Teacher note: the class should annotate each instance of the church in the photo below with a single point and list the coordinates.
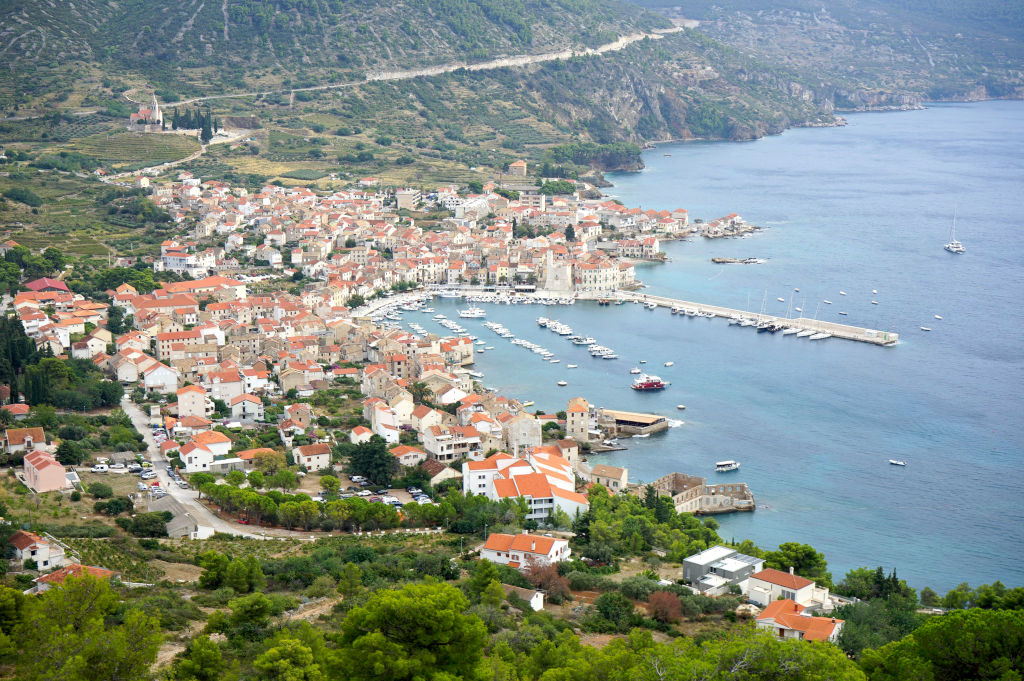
(148, 119)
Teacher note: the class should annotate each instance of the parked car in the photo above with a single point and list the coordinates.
(375, 500)
(148, 475)
(142, 486)
(182, 484)
(134, 468)
(100, 468)
(243, 521)
(364, 493)
(146, 464)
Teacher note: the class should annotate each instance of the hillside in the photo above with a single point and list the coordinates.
(868, 54)
(200, 46)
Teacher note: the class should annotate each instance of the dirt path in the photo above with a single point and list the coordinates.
(314, 610)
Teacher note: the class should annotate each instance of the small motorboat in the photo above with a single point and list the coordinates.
(874, 290)
(528, 403)
(668, 364)
(926, 328)
(635, 370)
(842, 293)
(897, 462)
(563, 383)
(843, 313)
(571, 366)
(828, 302)
(874, 302)
(680, 407)
(938, 316)
(726, 466)
(781, 300)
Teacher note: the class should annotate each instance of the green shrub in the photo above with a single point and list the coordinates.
(100, 490)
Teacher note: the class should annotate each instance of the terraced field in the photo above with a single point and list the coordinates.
(127, 150)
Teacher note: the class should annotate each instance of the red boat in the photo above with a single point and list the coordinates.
(645, 382)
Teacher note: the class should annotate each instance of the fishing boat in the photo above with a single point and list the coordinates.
(645, 382)
(897, 462)
(954, 246)
(726, 466)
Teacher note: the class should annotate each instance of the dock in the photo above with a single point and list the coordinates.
(843, 331)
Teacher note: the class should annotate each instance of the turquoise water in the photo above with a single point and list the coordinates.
(861, 208)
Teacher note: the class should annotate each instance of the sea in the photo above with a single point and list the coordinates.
(854, 220)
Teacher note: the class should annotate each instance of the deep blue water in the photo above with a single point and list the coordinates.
(861, 208)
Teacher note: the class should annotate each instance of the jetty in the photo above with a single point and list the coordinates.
(844, 331)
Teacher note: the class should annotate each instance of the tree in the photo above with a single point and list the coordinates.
(330, 484)
(202, 661)
(351, 580)
(100, 490)
(570, 234)
(148, 525)
(234, 478)
(665, 606)
(373, 460)
(475, 187)
(69, 453)
(929, 598)
(215, 567)
(288, 660)
(804, 560)
(255, 479)
(965, 644)
(417, 632)
(269, 462)
(198, 480)
(65, 636)
(283, 479)
(484, 573)
(615, 608)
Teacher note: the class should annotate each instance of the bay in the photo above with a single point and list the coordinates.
(862, 208)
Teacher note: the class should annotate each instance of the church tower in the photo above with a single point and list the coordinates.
(156, 117)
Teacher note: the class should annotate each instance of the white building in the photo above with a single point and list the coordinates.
(313, 457)
(520, 550)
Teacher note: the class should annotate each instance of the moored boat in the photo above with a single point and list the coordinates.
(645, 382)
(726, 466)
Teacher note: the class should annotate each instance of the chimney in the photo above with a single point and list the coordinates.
(790, 569)
(533, 546)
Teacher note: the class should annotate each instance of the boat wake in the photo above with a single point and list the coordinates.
(674, 423)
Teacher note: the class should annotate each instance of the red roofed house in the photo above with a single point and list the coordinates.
(47, 284)
(247, 407)
(18, 411)
(27, 546)
(313, 457)
(519, 550)
(74, 570)
(787, 620)
(43, 473)
(199, 453)
(24, 439)
(360, 434)
(409, 456)
(770, 585)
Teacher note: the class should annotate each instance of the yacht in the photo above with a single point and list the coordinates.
(645, 382)
(954, 246)
(542, 321)
(726, 466)
(584, 340)
(789, 331)
(820, 336)
(805, 333)
(897, 462)
(473, 312)
(635, 370)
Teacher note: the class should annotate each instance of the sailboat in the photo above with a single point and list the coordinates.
(954, 246)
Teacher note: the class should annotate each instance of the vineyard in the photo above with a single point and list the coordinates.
(113, 554)
(130, 150)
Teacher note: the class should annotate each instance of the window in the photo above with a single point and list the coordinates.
(791, 595)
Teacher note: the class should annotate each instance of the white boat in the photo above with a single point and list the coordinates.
(542, 321)
(644, 435)
(781, 300)
(680, 407)
(954, 246)
(472, 312)
(828, 302)
(635, 370)
(571, 366)
(726, 466)
(938, 316)
(805, 333)
(874, 302)
(843, 313)
(820, 336)
(651, 306)
(609, 355)
(481, 351)
(790, 331)
(842, 293)
(926, 328)
(798, 309)
(668, 364)
(555, 361)
(488, 347)
(427, 310)
(797, 290)
(563, 383)
(897, 462)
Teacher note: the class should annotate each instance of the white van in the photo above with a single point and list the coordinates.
(100, 468)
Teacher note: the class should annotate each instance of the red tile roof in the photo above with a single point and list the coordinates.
(783, 579)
